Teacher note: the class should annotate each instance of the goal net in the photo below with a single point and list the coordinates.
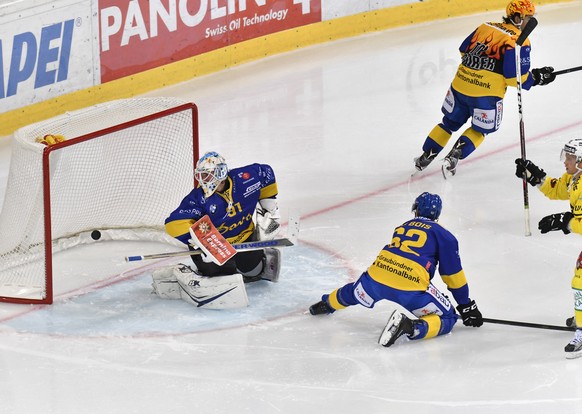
(122, 168)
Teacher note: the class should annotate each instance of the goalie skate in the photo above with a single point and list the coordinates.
(398, 325)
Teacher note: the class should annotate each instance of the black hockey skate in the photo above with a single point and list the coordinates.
(424, 160)
(398, 325)
(574, 348)
(320, 308)
(450, 162)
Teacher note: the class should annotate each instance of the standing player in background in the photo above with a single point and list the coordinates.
(477, 91)
(230, 199)
(402, 273)
(567, 187)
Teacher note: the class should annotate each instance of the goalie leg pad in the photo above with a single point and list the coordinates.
(218, 292)
(271, 265)
(165, 284)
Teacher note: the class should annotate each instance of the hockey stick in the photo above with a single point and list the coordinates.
(531, 24)
(254, 245)
(530, 325)
(561, 72)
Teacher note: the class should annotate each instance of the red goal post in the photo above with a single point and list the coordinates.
(122, 168)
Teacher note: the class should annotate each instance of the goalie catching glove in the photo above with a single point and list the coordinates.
(268, 219)
(470, 314)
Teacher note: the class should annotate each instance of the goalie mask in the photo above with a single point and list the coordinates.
(211, 170)
(428, 205)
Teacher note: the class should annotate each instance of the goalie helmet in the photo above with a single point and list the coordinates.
(520, 7)
(211, 170)
(428, 205)
(572, 147)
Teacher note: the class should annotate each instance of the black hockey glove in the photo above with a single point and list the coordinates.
(533, 174)
(543, 76)
(470, 314)
(553, 222)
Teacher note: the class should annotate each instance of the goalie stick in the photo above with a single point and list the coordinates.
(530, 325)
(253, 245)
(531, 24)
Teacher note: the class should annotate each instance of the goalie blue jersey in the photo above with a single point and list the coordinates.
(417, 248)
(232, 210)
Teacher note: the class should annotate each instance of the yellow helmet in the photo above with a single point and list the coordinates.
(520, 7)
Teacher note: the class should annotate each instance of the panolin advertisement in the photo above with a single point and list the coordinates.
(45, 55)
(138, 35)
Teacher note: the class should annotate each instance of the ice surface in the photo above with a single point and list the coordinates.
(340, 123)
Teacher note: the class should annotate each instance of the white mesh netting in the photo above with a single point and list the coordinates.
(123, 183)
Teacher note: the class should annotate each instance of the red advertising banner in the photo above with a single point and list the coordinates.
(138, 35)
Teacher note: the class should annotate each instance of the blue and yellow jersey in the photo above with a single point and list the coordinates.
(417, 248)
(231, 211)
(488, 61)
(566, 188)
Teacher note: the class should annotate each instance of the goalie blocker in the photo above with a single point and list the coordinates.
(218, 258)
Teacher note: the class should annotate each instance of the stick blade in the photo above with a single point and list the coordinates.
(529, 27)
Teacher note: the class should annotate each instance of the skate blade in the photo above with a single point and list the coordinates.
(573, 355)
(446, 172)
(386, 337)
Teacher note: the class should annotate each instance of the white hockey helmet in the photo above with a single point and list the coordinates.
(572, 147)
(211, 170)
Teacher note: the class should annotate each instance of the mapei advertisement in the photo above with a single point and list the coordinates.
(44, 56)
(138, 35)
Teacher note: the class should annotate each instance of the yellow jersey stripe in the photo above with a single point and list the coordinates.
(455, 281)
(179, 227)
(269, 191)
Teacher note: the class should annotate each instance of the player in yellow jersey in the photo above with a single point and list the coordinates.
(567, 187)
(403, 273)
(487, 68)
